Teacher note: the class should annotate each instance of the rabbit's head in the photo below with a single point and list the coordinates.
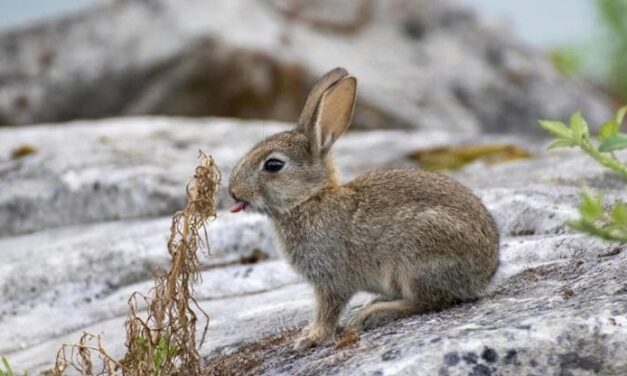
(290, 167)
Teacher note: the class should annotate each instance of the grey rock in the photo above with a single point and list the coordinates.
(97, 267)
(132, 168)
(421, 64)
(527, 324)
(557, 305)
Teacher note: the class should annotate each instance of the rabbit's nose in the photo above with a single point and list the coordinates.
(239, 204)
(234, 196)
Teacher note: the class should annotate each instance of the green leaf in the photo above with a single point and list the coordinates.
(582, 225)
(591, 207)
(615, 228)
(615, 142)
(557, 128)
(619, 213)
(608, 129)
(611, 127)
(579, 126)
(160, 352)
(7, 367)
(561, 143)
(142, 342)
(620, 114)
(566, 60)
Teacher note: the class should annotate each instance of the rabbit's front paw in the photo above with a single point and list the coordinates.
(312, 337)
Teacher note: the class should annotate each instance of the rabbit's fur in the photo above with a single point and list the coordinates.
(419, 240)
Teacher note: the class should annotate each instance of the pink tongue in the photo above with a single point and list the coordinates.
(239, 206)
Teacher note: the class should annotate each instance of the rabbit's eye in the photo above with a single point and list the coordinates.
(273, 165)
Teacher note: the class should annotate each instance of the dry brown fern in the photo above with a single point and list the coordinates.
(162, 341)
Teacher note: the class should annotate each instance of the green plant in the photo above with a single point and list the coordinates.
(595, 220)
(608, 140)
(603, 56)
(566, 59)
(613, 17)
(608, 224)
(6, 370)
(164, 353)
(161, 355)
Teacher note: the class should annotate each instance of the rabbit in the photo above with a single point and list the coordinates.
(418, 240)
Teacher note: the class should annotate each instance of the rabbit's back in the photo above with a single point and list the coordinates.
(410, 193)
(418, 189)
(427, 226)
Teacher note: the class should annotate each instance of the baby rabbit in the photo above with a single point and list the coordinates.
(419, 240)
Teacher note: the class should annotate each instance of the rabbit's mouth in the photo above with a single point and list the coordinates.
(239, 206)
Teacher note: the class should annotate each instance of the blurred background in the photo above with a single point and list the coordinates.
(534, 20)
(64, 60)
(586, 38)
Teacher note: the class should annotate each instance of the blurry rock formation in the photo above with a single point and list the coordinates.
(420, 63)
(100, 194)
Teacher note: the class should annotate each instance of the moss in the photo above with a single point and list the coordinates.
(23, 150)
(455, 157)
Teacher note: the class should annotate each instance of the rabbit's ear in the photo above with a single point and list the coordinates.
(333, 115)
(324, 83)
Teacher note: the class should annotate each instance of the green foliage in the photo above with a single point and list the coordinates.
(604, 55)
(6, 370)
(162, 354)
(566, 60)
(594, 219)
(577, 133)
(613, 16)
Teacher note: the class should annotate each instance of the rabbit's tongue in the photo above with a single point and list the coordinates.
(239, 206)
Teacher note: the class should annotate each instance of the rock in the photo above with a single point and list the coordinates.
(132, 168)
(97, 267)
(420, 64)
(557, 305)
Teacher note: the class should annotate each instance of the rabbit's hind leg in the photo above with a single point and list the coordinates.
(380, 313)
(380, 298)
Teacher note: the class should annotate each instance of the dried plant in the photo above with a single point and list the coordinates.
(162, 341)
(79, 357)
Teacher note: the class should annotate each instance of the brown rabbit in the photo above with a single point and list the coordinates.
(419, 240)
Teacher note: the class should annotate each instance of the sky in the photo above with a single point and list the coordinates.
(16, 12)
(543, 23)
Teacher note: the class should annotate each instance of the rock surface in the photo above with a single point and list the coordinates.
(421, 64)
(130, 168)
(558, 304)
